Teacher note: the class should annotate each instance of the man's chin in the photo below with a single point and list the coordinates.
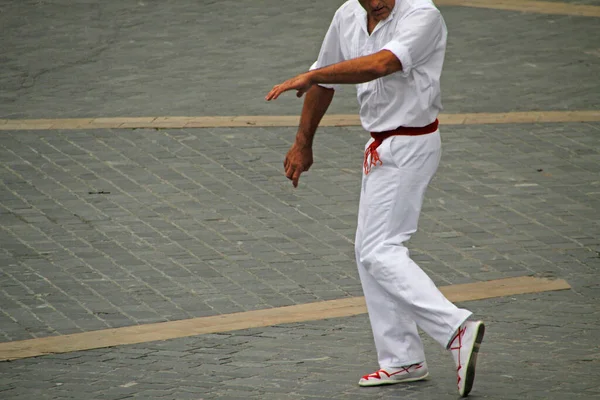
(381, 16)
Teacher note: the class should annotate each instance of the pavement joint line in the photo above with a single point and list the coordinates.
(540, 7)
(336, 120)
(259, 318)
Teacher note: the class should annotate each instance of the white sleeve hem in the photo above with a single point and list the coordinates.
(326, 86)
(402, 53)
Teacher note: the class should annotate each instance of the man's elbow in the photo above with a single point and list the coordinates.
(387, 63)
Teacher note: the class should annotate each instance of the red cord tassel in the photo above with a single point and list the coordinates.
(372, 156)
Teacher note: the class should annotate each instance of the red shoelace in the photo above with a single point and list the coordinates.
(377, 374)
(459, 335)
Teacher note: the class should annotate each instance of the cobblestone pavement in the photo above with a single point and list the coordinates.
(525, 357)
(200, 222)
(110, 228)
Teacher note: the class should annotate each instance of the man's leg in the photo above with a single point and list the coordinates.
(395, 334)
(391, 203)
(399, 348)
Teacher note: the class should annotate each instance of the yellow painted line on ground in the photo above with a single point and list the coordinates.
(284, 121)
(256, 319)
(541, 7)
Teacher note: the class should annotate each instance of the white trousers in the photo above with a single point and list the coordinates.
(399, 295)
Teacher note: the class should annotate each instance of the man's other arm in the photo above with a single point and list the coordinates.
(300, 157)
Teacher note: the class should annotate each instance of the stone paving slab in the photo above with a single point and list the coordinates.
(114, 59)
(113, 228)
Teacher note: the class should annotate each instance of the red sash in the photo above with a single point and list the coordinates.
(371, 155)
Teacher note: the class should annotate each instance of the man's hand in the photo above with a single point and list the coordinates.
(298, 159)
(302, 83)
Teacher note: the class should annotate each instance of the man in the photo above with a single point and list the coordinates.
(393, 50)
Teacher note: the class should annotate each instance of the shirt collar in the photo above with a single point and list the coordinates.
(359, 11)
(394, 10)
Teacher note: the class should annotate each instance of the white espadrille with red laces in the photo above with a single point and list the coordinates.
(390, 376)
(464, 347)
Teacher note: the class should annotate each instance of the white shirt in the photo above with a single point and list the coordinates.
(416, 33)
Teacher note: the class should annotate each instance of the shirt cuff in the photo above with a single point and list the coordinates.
(326, 86)
(402, 53)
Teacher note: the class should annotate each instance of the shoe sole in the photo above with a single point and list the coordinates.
(470, 373)
(393, 382)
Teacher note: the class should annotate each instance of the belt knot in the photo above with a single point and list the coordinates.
(372, 156)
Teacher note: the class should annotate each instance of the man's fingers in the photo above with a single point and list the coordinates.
(274, 93)
(296, 177)
(300, 83)
(292, 172)
(289, 171)
(271, 95)
(277, 90)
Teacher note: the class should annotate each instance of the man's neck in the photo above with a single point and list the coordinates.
(371, 24)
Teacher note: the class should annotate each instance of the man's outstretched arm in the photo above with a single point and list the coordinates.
(356, 70)
(300, 157)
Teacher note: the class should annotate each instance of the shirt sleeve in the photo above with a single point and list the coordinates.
(331, 50)
(416, 38)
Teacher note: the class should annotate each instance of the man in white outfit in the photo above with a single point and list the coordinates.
(393, 50)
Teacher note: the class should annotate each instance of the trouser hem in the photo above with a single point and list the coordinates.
(455, 330)
(402, 364)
